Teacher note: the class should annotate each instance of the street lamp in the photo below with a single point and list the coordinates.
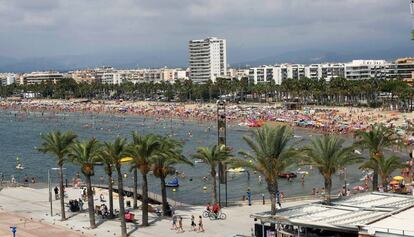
(221, 140)
(49, 183)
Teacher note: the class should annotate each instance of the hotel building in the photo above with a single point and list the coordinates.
(207, 59)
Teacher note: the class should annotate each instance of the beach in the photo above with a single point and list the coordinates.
(339, 120)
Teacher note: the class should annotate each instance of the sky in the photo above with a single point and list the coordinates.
(150, 32)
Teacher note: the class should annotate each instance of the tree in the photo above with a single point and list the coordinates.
(116, 151)
(143, 149)
(375, 140)
(57, 144)
(86, 154)
(271, 156)
(328, 154)
(169, 154)
(213, 156)
(385, 166)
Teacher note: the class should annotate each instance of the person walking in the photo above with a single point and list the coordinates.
(180, 225)
(174, 222)
(200, 224)
(56, 190)
(193, 224)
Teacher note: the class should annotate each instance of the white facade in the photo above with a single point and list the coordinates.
(207, 59)
(365, 69)
(41, 77)
(7, 79)
(279, 73)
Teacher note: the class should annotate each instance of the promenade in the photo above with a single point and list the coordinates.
(32, 204)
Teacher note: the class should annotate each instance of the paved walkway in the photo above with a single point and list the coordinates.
(33, 204)
(28, 227)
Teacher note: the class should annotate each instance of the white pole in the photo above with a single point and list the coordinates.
(50, 192)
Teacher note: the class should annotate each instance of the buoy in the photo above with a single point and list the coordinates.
(174, 190)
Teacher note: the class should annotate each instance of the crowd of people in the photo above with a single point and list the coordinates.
(329, 120)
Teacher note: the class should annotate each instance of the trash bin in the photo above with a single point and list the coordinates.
(128, 203)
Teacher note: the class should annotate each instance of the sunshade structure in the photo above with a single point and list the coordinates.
(126, 160)
(345, 215)
(399, 178)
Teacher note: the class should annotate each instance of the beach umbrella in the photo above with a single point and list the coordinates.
(399, 178)
(394, 182)
(126, 159)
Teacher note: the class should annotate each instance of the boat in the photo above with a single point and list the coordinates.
(236, 170)
(173, 183)
(287, 175)
(19, 165)
(300, 171)
(198, 161)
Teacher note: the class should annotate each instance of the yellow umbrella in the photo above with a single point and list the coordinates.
(399, 178)
(126, 159)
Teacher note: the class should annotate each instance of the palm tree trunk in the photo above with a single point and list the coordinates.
(384, 183)
(111, 196)
(62, 194)
(121, 202)
(214, 186)
(91, 207)
(164, 196)
(328, 187)
(375, 180)
(134, 188)
(272, 189)
(144, 200)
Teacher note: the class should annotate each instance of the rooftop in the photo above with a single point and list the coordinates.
(345, 214)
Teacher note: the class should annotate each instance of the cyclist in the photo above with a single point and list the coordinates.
(208, 208)
(216, 209)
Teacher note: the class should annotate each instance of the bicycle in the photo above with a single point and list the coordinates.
(213, 216)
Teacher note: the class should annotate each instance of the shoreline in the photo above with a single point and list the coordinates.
(317, 119)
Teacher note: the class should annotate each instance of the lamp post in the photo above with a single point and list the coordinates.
(49, 182)
(221, 140)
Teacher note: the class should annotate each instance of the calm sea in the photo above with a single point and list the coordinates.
(20, 135)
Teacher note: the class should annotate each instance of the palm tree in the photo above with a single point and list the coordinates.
(143, 149)
(116, 151)
(385, 166)
(271, 156)
(57, 144)
(213, 156)
(169, 154)
(375, 141)
(86, 154)
(328, 154)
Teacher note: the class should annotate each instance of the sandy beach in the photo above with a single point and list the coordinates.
(339, 120)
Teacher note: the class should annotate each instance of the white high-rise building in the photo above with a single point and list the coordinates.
(208, 59)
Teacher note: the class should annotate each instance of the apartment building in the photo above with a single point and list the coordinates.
(207, 59)
(366, 69)
(41, 77)
(279, 73)
(7, 79)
